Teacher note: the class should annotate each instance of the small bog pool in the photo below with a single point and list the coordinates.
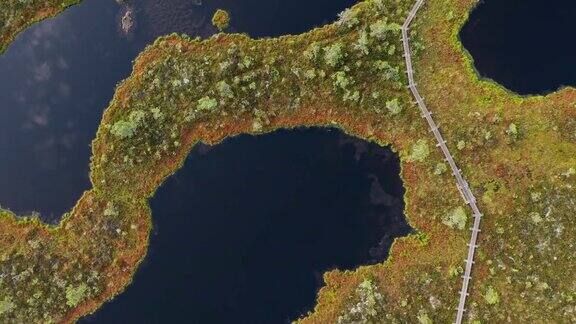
(524, 45)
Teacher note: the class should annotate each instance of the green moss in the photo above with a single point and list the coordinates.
(123, 129)
(381, 29)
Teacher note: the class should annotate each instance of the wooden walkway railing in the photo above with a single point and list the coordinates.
(461, 183)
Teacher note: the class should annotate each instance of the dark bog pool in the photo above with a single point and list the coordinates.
(244, 231)
(59, 75)
(525, 45)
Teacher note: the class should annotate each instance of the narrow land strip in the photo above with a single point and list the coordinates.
(461, 183)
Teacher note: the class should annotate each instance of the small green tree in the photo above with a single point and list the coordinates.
(491, 296)
(461, 145)
(312, 53)
(74, 295)
(334, 54)
(127, 128)
(362, 44)
(394, 106)
(420, 151)
(221, 19)
(123, 129)
(423, 318)
(381, 28)
(347, 18)
(6, 305)
(340, 80)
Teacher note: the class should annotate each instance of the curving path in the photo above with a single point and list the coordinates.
(461, 183)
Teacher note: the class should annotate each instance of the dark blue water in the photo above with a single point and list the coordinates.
(525, 45)
(59, 75)
(244, 231)
(280, 17)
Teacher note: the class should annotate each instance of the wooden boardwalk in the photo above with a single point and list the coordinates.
(461, 183)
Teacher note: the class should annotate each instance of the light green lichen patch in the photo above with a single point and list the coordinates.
(124, 129)
(440, 168)
(491, 296)
(456, 218)
(206, 104)
(512, 130)
(420, 151)
(394, 106)
(75, 294)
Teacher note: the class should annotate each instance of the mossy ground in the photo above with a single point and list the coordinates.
(184, 90)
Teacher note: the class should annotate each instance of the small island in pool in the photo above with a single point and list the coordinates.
(517, 153)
